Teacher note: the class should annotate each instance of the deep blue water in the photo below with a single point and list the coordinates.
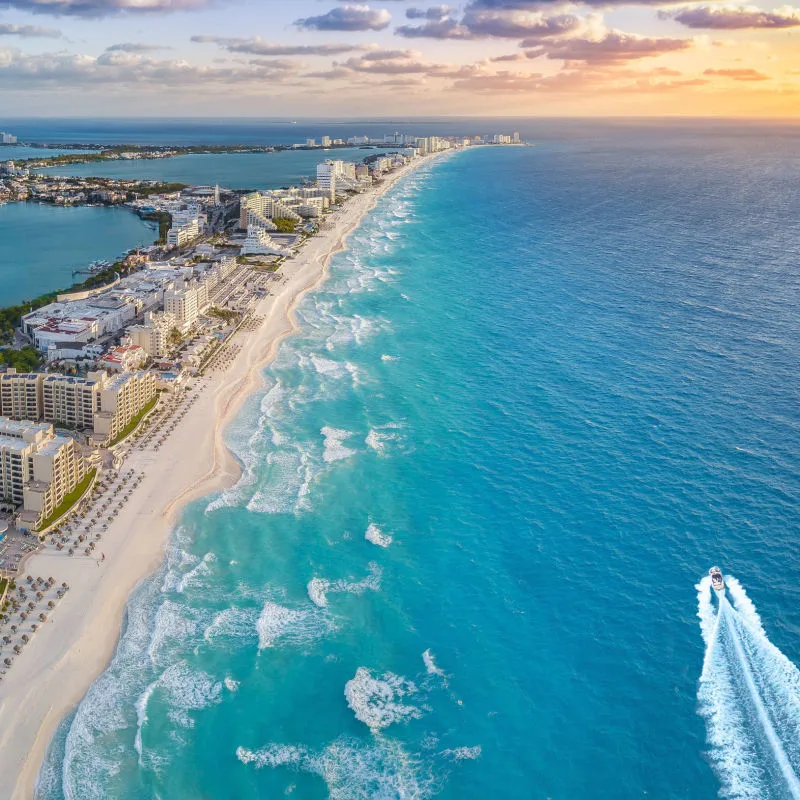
(553, 385)
(40, 245)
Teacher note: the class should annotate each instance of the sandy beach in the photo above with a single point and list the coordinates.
(66, 654)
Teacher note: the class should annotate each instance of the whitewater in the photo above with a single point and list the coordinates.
(750, 696)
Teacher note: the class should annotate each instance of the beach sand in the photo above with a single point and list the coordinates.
(54, 671)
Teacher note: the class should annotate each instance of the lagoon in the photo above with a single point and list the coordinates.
(41, 245)
(232, 170)
(18, 152)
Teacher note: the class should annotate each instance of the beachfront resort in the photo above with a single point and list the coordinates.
(125, 383)
(120, 364)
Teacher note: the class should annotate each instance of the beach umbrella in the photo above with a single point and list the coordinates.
(25, 638)
(51, 604)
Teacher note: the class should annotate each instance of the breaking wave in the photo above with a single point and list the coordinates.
(319, 588)
(376, 700)
(351, 769)
(375, 536)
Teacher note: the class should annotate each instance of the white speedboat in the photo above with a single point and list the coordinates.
(716, 579)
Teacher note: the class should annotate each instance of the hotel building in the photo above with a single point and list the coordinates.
(121, 399)
(37, 468)
(21, 394)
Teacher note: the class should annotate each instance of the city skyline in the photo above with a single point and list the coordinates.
(320, 58)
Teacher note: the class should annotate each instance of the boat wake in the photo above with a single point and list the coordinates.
(749, 695)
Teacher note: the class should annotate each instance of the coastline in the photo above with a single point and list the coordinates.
(56, 669)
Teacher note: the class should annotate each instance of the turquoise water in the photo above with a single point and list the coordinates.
(232, 170)
(543, 391)
(41, 245)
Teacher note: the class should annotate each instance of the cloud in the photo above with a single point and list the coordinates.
(383, 55)
(512, 57)
(480, 23)
(613, 47)
(28, 31)
(335, 73)
(118, 68)
(256, 46)
(518, 24)
(102, 8)
(499, 83)
(134, 47)
(407, 63)
(348, 18)
(403, 65)
(576, 80)
(446, 28)
(540, 5)
(738, 74)
(734, 17)
(434, 12)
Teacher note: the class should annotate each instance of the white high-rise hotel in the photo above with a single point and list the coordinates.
(333, 173)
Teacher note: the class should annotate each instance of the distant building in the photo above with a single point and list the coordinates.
(326, 179)
(7, 138)
(326, 141)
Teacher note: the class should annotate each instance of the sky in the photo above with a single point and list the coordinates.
(339, 58)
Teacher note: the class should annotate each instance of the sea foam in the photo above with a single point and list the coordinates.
(318, 588)
(334, 449)
(374, 535)
(376, 700)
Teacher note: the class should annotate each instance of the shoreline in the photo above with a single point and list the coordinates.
(68, 653)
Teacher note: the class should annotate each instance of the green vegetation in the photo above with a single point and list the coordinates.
(175, 337)
(11, 315)
(66, 504)
(133, 424)
(24, 360)
(164, 221)
(159, 188)
(222, 313)
(285, 225)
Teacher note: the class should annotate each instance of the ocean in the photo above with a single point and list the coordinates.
(543, 390)
(41, 245)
